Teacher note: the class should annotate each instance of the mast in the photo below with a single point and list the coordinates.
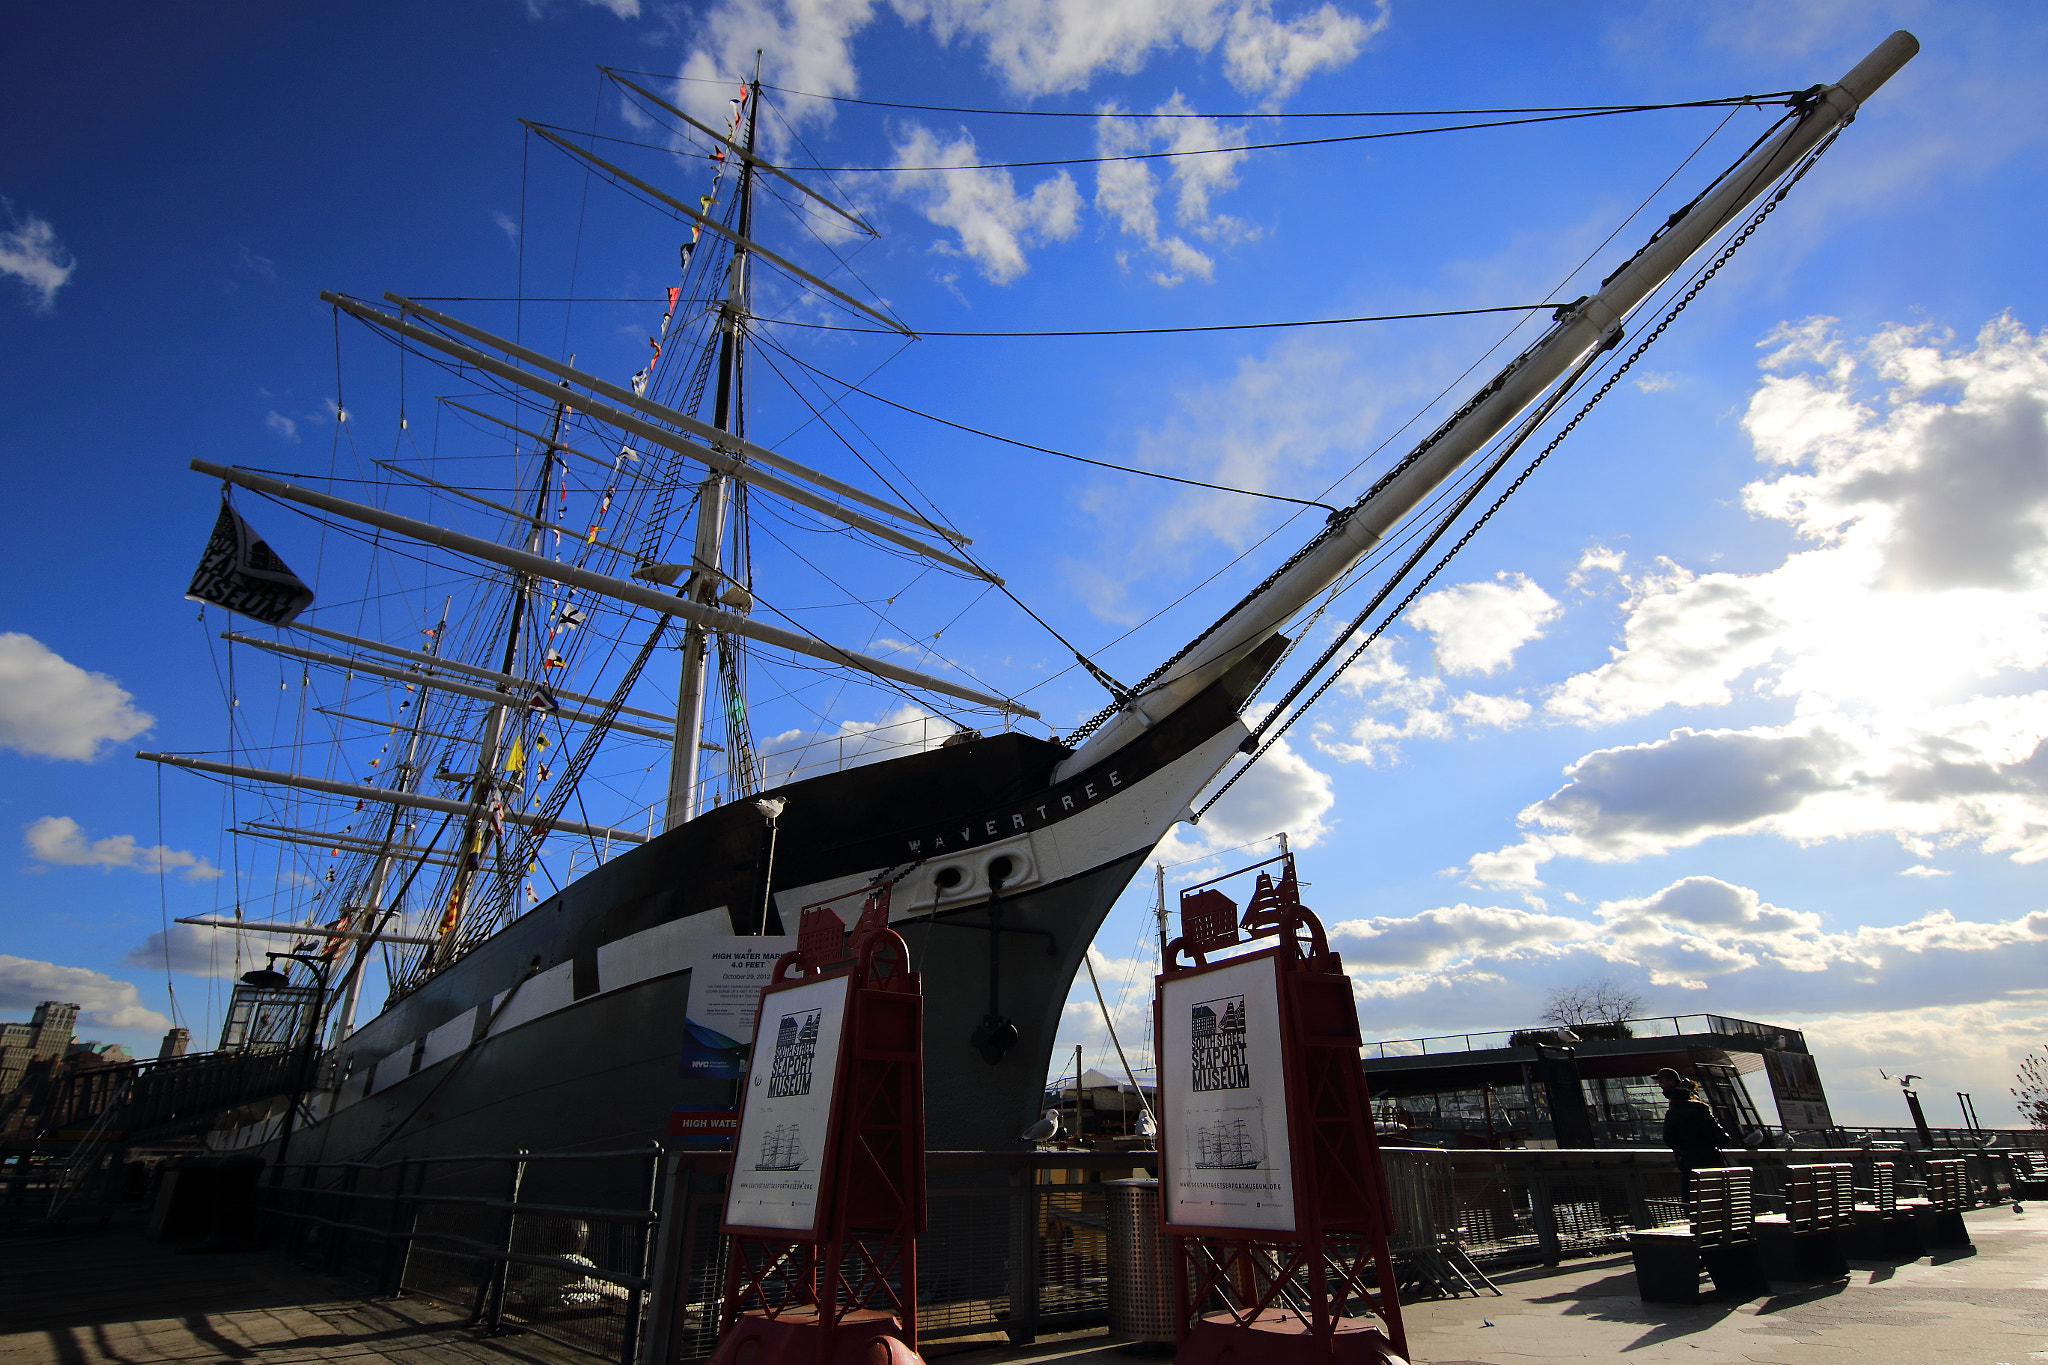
(374, 913)
(706, 568)
(485, 798)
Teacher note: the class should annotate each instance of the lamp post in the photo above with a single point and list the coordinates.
(269, 978)
(771, 808)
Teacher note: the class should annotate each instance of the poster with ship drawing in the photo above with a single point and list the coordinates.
(1224, 1094)
(787, 1112)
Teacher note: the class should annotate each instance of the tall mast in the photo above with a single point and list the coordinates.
(706, 569)
(484, 788)
(374, 912)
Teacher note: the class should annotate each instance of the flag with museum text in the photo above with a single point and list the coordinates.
(240, 572)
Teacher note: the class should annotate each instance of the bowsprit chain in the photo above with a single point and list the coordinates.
(1722, 258)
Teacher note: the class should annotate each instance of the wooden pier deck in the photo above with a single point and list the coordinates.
(113, 1296)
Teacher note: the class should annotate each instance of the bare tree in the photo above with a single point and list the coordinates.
(1605, 1001)
(2030, 1088)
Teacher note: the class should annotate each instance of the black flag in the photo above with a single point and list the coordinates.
(239, 572)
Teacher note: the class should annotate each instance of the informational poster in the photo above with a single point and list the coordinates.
(1795, 1086)
(1224, 1094)
(787, 1113)
(727, 974)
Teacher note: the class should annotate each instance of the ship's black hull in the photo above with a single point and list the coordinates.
(598, 1066)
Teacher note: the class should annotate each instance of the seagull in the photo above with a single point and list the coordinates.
(1045, 1130)
(1146, 1127)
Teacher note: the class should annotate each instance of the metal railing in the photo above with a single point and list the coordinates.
(1652, 1026)
(619, 1254)
(513, 1239)
(1017, 1243)
(1506, 1207)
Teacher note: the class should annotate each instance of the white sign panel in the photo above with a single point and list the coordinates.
(727, 974)
(1225, 1097)
(787, 1113)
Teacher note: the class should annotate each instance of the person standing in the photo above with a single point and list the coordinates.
(1690, 1130)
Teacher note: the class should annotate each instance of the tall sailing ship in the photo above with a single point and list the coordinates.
(536, 959)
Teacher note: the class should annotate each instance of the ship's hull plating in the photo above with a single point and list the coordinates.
(585, 1052)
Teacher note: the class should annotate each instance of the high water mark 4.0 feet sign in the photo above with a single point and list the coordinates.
(786, 1117)
(1225, 1090)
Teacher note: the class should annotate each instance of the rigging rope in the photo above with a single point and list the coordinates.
(1721, 259)
(1716, 101)
(1175, 153)
(1175, 331)
(1042, 450)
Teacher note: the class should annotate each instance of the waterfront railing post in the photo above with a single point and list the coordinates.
(643, 1265)
(1023, 1323)
(1545, 1214)
(491, 1295)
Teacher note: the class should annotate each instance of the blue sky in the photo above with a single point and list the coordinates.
(1738, 703)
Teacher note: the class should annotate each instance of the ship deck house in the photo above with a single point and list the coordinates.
(1589, 1085)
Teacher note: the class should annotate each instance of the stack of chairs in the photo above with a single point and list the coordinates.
(1808, 1241)
(1717, 1242)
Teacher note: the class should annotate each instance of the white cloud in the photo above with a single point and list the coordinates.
(994, 224)
(104, 1001)
(624, 9)
(1128, 190)
(1479, 626)
(1283, 794)
(1971, 1048)
(804, 45)
(1400, 705)
(51, 708)
(509, 225)
(1436, 938)
(1931, 517)
(282, 425)
(1922, 870)
(1480, 708)
(1904, 643)
(1274, 56)
(1046, 46)
(1038, 47)
(1763, 960)
(32, 255)
(1596, 559)
(58, 841)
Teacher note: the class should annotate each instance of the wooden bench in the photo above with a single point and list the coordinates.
(2029, 1175)
(1716, 1242)
(1882, 1231)
(1808, 1241)
(1948, 1191)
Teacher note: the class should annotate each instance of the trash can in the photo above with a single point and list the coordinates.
(1140, 1271)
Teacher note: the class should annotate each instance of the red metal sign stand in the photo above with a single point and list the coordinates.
(1266, 1295)
(844, 1291)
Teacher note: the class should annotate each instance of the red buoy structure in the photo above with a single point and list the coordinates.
(827, 1193)
(1271, 1186)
